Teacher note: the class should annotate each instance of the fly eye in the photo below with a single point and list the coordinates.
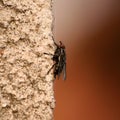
(61, 45)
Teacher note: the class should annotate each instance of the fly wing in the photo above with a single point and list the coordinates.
(64, 72)
(59, 69)
(62, 65)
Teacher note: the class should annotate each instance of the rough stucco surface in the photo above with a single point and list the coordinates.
(26, 92)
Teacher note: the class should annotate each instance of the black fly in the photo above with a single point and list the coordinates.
(59, 58)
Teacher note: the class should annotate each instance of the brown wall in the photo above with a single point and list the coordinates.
(90, 31)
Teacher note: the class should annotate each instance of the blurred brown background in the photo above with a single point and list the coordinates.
(90, 29)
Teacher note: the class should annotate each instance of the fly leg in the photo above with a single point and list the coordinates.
(48, 54)
(51, 68)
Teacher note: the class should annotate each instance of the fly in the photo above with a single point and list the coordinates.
(59, 59)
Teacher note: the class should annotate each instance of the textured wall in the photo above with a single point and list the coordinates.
(26, 93)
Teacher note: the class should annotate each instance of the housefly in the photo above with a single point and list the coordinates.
(59, 59)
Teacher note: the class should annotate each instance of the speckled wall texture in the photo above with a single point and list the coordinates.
(26, 92)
